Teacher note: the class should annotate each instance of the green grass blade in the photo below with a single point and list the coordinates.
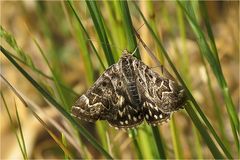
(145, 142)
(13, 128)
(26, 60)
(39, 72)
(117, 34)
(66, 151)
(188, 92)
(64, 142)
(159, 145)
(100, 28)
(101, 128)
(78, 33)
(60, 143)
(207, 139)
(132, 133)
(128, 27)
(197, 144)
(12, 42)
(217, 109)
(176, 141)
(80, 128)
(21, 132)
(55, 77)
(204, 14)
(86, 33)
(215, 66)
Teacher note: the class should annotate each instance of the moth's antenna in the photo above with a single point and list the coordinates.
(140, 27)
(135, 50)
(164, 71)
(147, 49)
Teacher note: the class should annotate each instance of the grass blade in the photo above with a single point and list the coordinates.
(86, 33)
(128, 27)
(55, 77)
(176, 141)
(80, 128)
(20, 130)
(215, 66)
(190, 97)
(159, 144)
(21, 146)
(204, 14)
(33, 108)
(132, 134)
(197, 122)
(100, 28)
(197, 144)
(78, 33)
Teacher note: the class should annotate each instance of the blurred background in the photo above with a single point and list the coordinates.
(53, 27)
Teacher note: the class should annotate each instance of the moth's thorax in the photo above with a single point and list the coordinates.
(127, 68)
(129, 75)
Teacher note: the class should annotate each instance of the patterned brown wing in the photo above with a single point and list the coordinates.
(164, 92)
(153, 115)
(99, 100)
(127, 117)
(160, 95)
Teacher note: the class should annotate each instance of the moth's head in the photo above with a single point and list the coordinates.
(126, 53)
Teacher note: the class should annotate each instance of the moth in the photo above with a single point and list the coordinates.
(129, 92)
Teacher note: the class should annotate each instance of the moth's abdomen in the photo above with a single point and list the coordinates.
(133, 92)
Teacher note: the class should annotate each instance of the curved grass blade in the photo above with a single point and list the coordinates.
(43, 74)
(79, 127)
(213, 148)
(55, 76)
(215, 66)
(100, 28)
(204, 14)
